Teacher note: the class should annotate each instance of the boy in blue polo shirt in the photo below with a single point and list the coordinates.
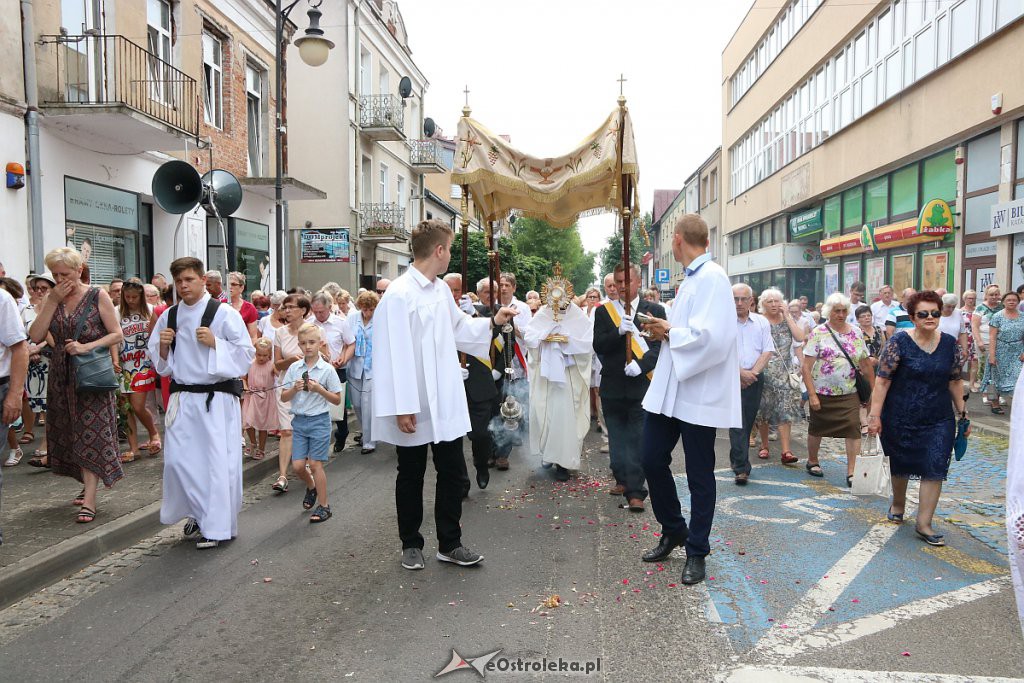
(311, 384)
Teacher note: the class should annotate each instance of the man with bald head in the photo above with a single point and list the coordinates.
(382, 285)
(611, 292)
(755, 347)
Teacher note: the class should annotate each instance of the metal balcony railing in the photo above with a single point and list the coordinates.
(383, 222)
(425, 153)
(112, 70)
(381, 111)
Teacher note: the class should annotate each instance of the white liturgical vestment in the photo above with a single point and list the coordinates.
(202, 447)
(417, 331)
(559, 385)
(697, 378)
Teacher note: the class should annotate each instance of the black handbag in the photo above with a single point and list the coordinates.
(863, 386)
(94, 370)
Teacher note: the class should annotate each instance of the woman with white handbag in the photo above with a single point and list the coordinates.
(918, 385)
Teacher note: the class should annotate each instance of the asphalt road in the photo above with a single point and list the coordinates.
(292, 600)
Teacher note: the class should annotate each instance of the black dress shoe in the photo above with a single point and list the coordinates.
(693, 572)
(664, 548)
(561, 474)
(483, 477)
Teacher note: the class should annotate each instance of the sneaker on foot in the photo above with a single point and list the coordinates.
(205, 542)
(461, 556)
(412, 558)
(191, 527)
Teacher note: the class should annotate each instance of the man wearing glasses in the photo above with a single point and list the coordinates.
(755, 347)
(382, 285)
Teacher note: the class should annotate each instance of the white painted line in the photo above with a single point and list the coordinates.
(770, 648)
(766, 482)
(872, 624)
(803, 674)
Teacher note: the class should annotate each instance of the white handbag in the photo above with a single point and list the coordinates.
(871, 471)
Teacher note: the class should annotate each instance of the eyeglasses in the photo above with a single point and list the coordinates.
(44, 288)
(380, 291)
(923, 315)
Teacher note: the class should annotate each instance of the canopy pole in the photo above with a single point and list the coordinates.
(464, 219)
(625, 193)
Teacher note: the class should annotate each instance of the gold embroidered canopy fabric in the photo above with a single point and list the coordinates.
(557, 189)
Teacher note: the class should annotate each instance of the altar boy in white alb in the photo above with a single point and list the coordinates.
(202, 450)
(695, 390)
(418, 396)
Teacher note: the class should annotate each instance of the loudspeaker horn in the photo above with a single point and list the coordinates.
(177, 187)
(222, 192)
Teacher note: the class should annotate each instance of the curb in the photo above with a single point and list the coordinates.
(46, 567)
(989, 429)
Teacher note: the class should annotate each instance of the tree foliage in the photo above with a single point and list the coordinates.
(611, 255)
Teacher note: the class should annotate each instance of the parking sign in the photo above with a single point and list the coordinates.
(661, 275)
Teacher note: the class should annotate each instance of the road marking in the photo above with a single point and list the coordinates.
(795, 674)
(765, 482)
(817, 600)
(727, 506)
(818, 511)
(840, 634)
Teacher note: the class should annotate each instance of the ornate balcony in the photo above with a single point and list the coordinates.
(382, 223)
(382, 117)
(117, 94)
(425, 156)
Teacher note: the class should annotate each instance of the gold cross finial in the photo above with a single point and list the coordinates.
(466, 111)
(622, 80)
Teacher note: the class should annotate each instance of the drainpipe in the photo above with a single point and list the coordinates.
(35, 175)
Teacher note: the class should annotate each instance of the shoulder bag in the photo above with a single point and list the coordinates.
(863, 386)
(94, 370)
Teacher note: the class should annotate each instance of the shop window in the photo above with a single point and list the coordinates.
(1019, 190)
(977, 213)
(853, 208)
(744, 241)
(983, 162)
(938, 180)
(903, 190)
(833, 212)
(877, 200)
(781, 230)
(755, 237)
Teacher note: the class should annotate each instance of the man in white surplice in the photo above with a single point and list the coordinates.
(418, 395)
(559, 373)
(202, 444)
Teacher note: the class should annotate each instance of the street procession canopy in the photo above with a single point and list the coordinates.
(599, 174)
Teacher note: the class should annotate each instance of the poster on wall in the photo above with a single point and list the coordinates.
(851, 274)
(1017, 266)
(831, 278)
(902, 271)
(329, 245)
(874, 277)
(935, 270)
(986, 277)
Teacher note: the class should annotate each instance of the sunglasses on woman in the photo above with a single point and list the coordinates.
(923, 315)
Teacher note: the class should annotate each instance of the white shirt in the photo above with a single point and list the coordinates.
(337, 333)
(880, 311)
(698, 379)
(953, 325)
(417, 331)
(753, 337)
(807, 319)
(851, 315)
(12, 331)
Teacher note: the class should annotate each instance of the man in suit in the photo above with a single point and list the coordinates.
(623, 385)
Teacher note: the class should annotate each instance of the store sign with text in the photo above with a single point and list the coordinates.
(935, 219)
(1007, 218)
(327, 245)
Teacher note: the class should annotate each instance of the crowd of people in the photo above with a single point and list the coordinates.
(422, 362)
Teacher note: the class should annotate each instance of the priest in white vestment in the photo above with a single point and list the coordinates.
(560, 346)
(694, 391)
(419, 400)
(202, 441)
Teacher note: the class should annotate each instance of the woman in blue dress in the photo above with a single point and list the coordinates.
(917, 385)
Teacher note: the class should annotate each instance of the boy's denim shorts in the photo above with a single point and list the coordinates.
(311, 437)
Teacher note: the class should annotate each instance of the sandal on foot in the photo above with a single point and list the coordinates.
(788, 458)
(849, 481)
(895, 518)
(763, 454)
(281, 485)
(155, 447)
(998, 410)
(309, 500)
(79, 499)
(258, 454)
(86, 515)
(127, 456)
(321, 514)
(247, 451)
(27, 438)
(39, 460)
(814, 469)
(14, 458)
(145, 446)
(931, 539)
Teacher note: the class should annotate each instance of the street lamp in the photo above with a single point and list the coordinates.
(314, 49)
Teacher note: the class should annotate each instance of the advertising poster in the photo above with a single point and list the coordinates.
(329, 245)
(874, 277)
(831, 278)
(935, 270)
(851, 274)
(902, 272)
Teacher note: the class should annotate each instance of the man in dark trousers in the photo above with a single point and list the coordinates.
(623, 385)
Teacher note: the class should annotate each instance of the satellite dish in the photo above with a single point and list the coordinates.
(429, 127)
(177, 187)
(405, 87)
(222, 192)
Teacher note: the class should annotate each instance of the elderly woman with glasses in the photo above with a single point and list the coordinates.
(918, 385)
(832, 355)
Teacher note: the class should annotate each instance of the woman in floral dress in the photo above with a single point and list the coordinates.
(779, 400)
(1005, 350)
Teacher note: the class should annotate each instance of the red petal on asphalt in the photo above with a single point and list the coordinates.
(590, 521)
(770, 619)
(747, 576)
(656, 534)
(672, 585)
(742, 553)
(905, 654)
(539, 516)
(661, 569)
(784, 626)
(267, 579)
(625, 582)
(649, 572)
(452, 603)
(650, 585)
(764, 580)
(711, 578)
(636, 590)
(855, 600)
(632, 535)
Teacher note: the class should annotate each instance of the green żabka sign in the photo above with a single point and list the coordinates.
(806, 223)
